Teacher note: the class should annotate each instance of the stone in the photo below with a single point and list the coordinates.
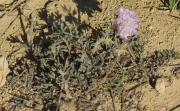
(160, 85)
(4, 70)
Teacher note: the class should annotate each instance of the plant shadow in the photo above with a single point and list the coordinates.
(83, 7)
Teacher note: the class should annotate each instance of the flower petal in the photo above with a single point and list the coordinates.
(127, 22)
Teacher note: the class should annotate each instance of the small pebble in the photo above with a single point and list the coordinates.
(160, 86)
(133, 109)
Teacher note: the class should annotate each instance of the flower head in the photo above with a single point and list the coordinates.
(127, 22)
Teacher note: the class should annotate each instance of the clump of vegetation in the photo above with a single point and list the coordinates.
(68, 66)
(174, 4)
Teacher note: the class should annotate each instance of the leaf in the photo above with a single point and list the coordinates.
(4, 70)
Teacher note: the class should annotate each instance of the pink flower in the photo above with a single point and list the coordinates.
(127, 22)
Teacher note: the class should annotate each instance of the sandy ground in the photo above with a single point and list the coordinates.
(157, 29)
